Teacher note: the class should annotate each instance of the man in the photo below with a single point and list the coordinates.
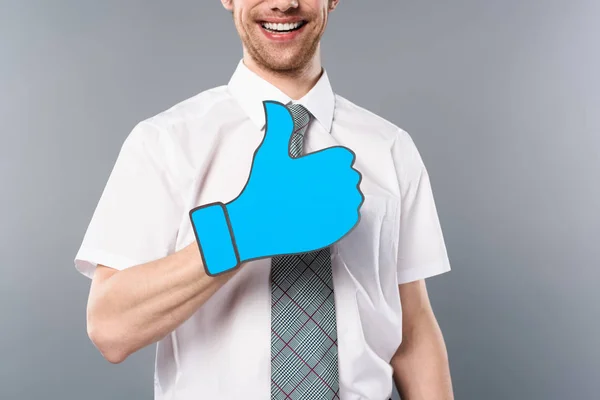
(216, 335)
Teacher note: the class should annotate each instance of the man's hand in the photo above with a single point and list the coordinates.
(288, 206)
(421, 368)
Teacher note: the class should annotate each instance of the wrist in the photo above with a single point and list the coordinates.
(214, 237)
(244, 230)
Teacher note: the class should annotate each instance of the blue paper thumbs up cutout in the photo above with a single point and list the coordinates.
(288, 205)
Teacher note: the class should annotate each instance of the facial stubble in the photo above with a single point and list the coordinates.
(282, 61)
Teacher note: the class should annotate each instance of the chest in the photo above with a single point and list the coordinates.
(219, 161)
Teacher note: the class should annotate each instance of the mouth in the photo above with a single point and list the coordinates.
(282, 28)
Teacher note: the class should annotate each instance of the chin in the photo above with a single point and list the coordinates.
(283, 65)
(284, 61)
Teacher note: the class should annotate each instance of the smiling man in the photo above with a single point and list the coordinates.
(343, 322)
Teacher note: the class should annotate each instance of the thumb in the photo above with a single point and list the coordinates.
(279, 127)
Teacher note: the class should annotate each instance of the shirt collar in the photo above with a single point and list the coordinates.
(250, 90)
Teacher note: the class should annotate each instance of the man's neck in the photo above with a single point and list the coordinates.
(294, 84)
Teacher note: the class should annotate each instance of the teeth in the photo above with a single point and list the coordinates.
(281, 27)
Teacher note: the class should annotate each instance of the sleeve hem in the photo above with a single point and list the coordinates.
(423, 272)
(87, 260)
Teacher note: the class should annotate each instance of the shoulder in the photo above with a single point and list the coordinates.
(376, 126)
(406, 159)
(191, 109)
(162, 138)
(179, 119)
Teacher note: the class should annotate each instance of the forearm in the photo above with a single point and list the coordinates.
(140, 305)
(421, 368)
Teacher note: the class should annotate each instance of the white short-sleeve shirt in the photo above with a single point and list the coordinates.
(200, 151)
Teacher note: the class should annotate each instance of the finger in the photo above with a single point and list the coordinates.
(339, 155)
(279, 127)
(355, 177)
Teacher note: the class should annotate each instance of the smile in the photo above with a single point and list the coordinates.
(282, 28)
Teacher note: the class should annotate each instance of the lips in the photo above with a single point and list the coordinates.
(282, 27)
(282, 31)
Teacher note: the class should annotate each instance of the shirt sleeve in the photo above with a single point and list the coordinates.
(137, 217)
(421, 249)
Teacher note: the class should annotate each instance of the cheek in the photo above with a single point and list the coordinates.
(323, 15)
(243, 23)
(247, 21)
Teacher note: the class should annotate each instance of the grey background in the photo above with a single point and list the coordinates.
(501, 97)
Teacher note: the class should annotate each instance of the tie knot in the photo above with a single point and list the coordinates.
(301, 117)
